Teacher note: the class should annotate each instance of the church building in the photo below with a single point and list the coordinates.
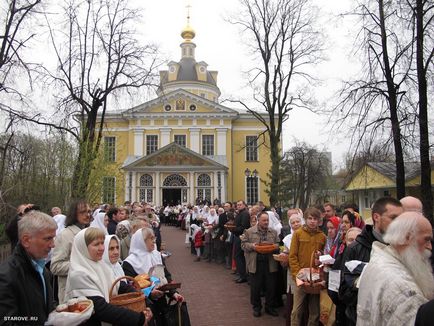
(184, 146)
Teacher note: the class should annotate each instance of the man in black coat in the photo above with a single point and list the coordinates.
(384, 211)
(26, 296)
(242, 222)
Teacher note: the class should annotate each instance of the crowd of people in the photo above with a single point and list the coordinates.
(333, 269)
(394, 244)
(58, 258)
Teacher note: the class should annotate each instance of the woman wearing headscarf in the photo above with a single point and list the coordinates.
(89, 276)
(333, 236)
(142, 259)
(98, 222)
(77, 219)
(112, 254)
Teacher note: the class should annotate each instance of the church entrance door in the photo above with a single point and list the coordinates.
(172, 196)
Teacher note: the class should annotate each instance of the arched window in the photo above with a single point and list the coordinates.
(174, 180)
(204, 180)
(146, 181)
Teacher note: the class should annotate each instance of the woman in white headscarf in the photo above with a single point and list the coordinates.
(98, 222)
(89, 276)
(142, 259)
(111, 255)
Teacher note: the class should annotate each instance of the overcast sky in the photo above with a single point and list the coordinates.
(220, 45)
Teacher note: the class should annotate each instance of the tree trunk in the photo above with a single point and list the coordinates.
(275, 170)
(425, 164)
(393, 108)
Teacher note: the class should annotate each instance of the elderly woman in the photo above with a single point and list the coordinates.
(89, 276)
(78, 218)
(333, 236)
(111, 255)
(142, 258)
(295, 222)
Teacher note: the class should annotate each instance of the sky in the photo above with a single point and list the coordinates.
(220, 45)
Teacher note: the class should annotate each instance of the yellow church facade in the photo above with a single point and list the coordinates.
(184, 146)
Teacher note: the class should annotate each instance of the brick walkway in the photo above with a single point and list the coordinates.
(212, 296)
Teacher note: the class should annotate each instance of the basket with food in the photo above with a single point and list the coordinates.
(143, 280)
(265, 248)
(310, 279)
(230, 226)
(281, 257)
(133, 301)
(74, 312)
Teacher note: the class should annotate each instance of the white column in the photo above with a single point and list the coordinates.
(192, 194)
(215, 187)
(221, 141)
(157, 200)
(134, 190)
(138, 143)
(127, 186)
(194, 139)
(223, 179)
(165, 136)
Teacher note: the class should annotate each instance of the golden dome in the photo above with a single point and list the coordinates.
(188, 33)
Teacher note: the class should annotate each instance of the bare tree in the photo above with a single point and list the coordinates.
(286, 44)
(421, 19)
(304, 170)
(98, 57)
(376, 104)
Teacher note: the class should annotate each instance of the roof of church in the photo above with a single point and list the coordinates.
(187, 71)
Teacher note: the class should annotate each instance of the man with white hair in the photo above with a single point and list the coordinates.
(398, 278)
(411, 204)
(26, 296)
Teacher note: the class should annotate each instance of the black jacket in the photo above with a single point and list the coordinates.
(425, 316)
(242, 222)
(111, 227)
(223, 219)
(360, 249)
(113, 314)
(22, 291)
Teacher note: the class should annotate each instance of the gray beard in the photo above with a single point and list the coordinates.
(419, 266)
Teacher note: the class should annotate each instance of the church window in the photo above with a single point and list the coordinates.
(204, 180)
(252, 190)
(110, 149)
(251, 148)
(151, 144)
(108, 190)
(167, 107)
(175, 180)
(181, 140)
(146, 191)
(192, 107)
(180, 105)
(207, 144)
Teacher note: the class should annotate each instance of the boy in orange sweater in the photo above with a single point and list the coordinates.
(306, 240)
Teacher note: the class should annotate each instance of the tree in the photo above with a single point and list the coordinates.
(304, 170)
(377, 103)
(286, 44)
(98, 58)
(422, 15)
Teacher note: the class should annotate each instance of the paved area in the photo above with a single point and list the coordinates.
(212, 297)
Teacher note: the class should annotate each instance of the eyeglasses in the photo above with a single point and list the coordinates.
(85, 212)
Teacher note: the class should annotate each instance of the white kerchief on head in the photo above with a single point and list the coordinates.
(116, 267)
(274, 222)
(60, 221)
(87, 277)
(196, 229)
(98, 222)
(140, 258)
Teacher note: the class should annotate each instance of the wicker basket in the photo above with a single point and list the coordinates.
(133, 301)
(230, 227)
(281, 258)
(265, 248)
(313, 287)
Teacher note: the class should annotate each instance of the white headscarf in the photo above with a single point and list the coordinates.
(287, 240)
(60, 221)
(212, 218)
(140, 258)
(116, 267)
(98, 222)
(87, 277)
(274, 222)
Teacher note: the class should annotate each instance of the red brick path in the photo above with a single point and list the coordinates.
(213, 298)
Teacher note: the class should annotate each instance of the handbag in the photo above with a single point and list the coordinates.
(177, 315)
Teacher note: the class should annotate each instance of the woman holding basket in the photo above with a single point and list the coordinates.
(89, 276)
